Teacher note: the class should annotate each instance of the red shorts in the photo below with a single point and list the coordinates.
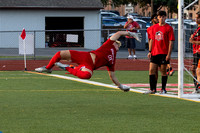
(82, 58)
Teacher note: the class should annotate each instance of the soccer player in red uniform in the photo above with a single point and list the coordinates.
(160, 48)
(154, 21)
(89, 61)
(195, 40)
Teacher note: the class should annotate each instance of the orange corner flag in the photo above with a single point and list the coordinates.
(23, 35)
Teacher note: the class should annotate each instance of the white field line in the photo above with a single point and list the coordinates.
(115, 87)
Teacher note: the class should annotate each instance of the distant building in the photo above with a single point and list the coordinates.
(42, 15)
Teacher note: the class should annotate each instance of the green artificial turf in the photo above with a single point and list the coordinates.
(32, 103)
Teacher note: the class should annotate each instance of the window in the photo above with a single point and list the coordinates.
(59, 38)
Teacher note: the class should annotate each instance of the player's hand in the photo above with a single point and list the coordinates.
(168, 58)
(124, 88)
(149, 55)
(191, 40)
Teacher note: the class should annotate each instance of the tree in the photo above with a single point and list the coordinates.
(157, 4)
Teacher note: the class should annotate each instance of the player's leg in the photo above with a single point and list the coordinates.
(133, 47)
(170, 70)
(83, 71)
(194, 67)
(153, 77)
(197, 87)
(128, 42)
(164, 77)
(168, 67)
(61, 55)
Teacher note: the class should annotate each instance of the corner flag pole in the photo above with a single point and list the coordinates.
(23, 36)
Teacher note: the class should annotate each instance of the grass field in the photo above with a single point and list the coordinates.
(32, 103)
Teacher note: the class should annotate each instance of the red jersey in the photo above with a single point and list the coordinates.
(130, 26)
(196, 37)
(105, 56)
(149, 32)
(161, 35)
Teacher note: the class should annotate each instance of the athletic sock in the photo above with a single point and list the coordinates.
(54, 59)
(164, 82)
(153, 82)
(80, 74)
(195, 82)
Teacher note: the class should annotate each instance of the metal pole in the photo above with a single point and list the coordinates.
(191, 4)
(180, 47)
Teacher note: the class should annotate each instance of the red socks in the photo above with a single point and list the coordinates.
(54, 59)
(79, 73)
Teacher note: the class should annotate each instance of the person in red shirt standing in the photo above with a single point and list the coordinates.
(160, 48)
(131, 26)
(154, 21)
(89, 61)
(195, 40)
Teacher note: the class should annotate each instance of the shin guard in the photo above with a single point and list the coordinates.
(153, 82)
(54, 59)
(164, 82)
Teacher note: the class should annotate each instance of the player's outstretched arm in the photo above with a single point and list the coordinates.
(117, 83)
(118, 34)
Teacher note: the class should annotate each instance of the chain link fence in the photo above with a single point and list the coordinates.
(42, 44)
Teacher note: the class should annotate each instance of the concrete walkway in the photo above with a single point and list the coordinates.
(49, 52)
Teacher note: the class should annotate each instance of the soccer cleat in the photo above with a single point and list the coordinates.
(130, 57)
(197, 89)
(43, 69)
(134, 57)
(149, 92)
(62, 66)
(167, 71)
(163, 92)
(137, 36)
(171, 72)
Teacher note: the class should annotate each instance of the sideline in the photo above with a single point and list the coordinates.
(111, 86)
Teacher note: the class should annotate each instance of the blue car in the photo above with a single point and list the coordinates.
(109, 22)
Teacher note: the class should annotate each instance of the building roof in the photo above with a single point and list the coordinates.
(51, 4)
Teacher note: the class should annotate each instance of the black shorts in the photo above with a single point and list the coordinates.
(196, 58)
(159, 59)
(130, 43)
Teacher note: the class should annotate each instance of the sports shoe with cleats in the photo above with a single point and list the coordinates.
(43, 69)
(61, 66)
(196, 92)
(197, 89)
(163, 92)
(171, 72)
(149, 92)
(134, 57)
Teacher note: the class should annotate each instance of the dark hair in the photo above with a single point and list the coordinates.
(153, 16)
(162, 13)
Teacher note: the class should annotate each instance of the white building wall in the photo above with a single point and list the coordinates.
(31, 20)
